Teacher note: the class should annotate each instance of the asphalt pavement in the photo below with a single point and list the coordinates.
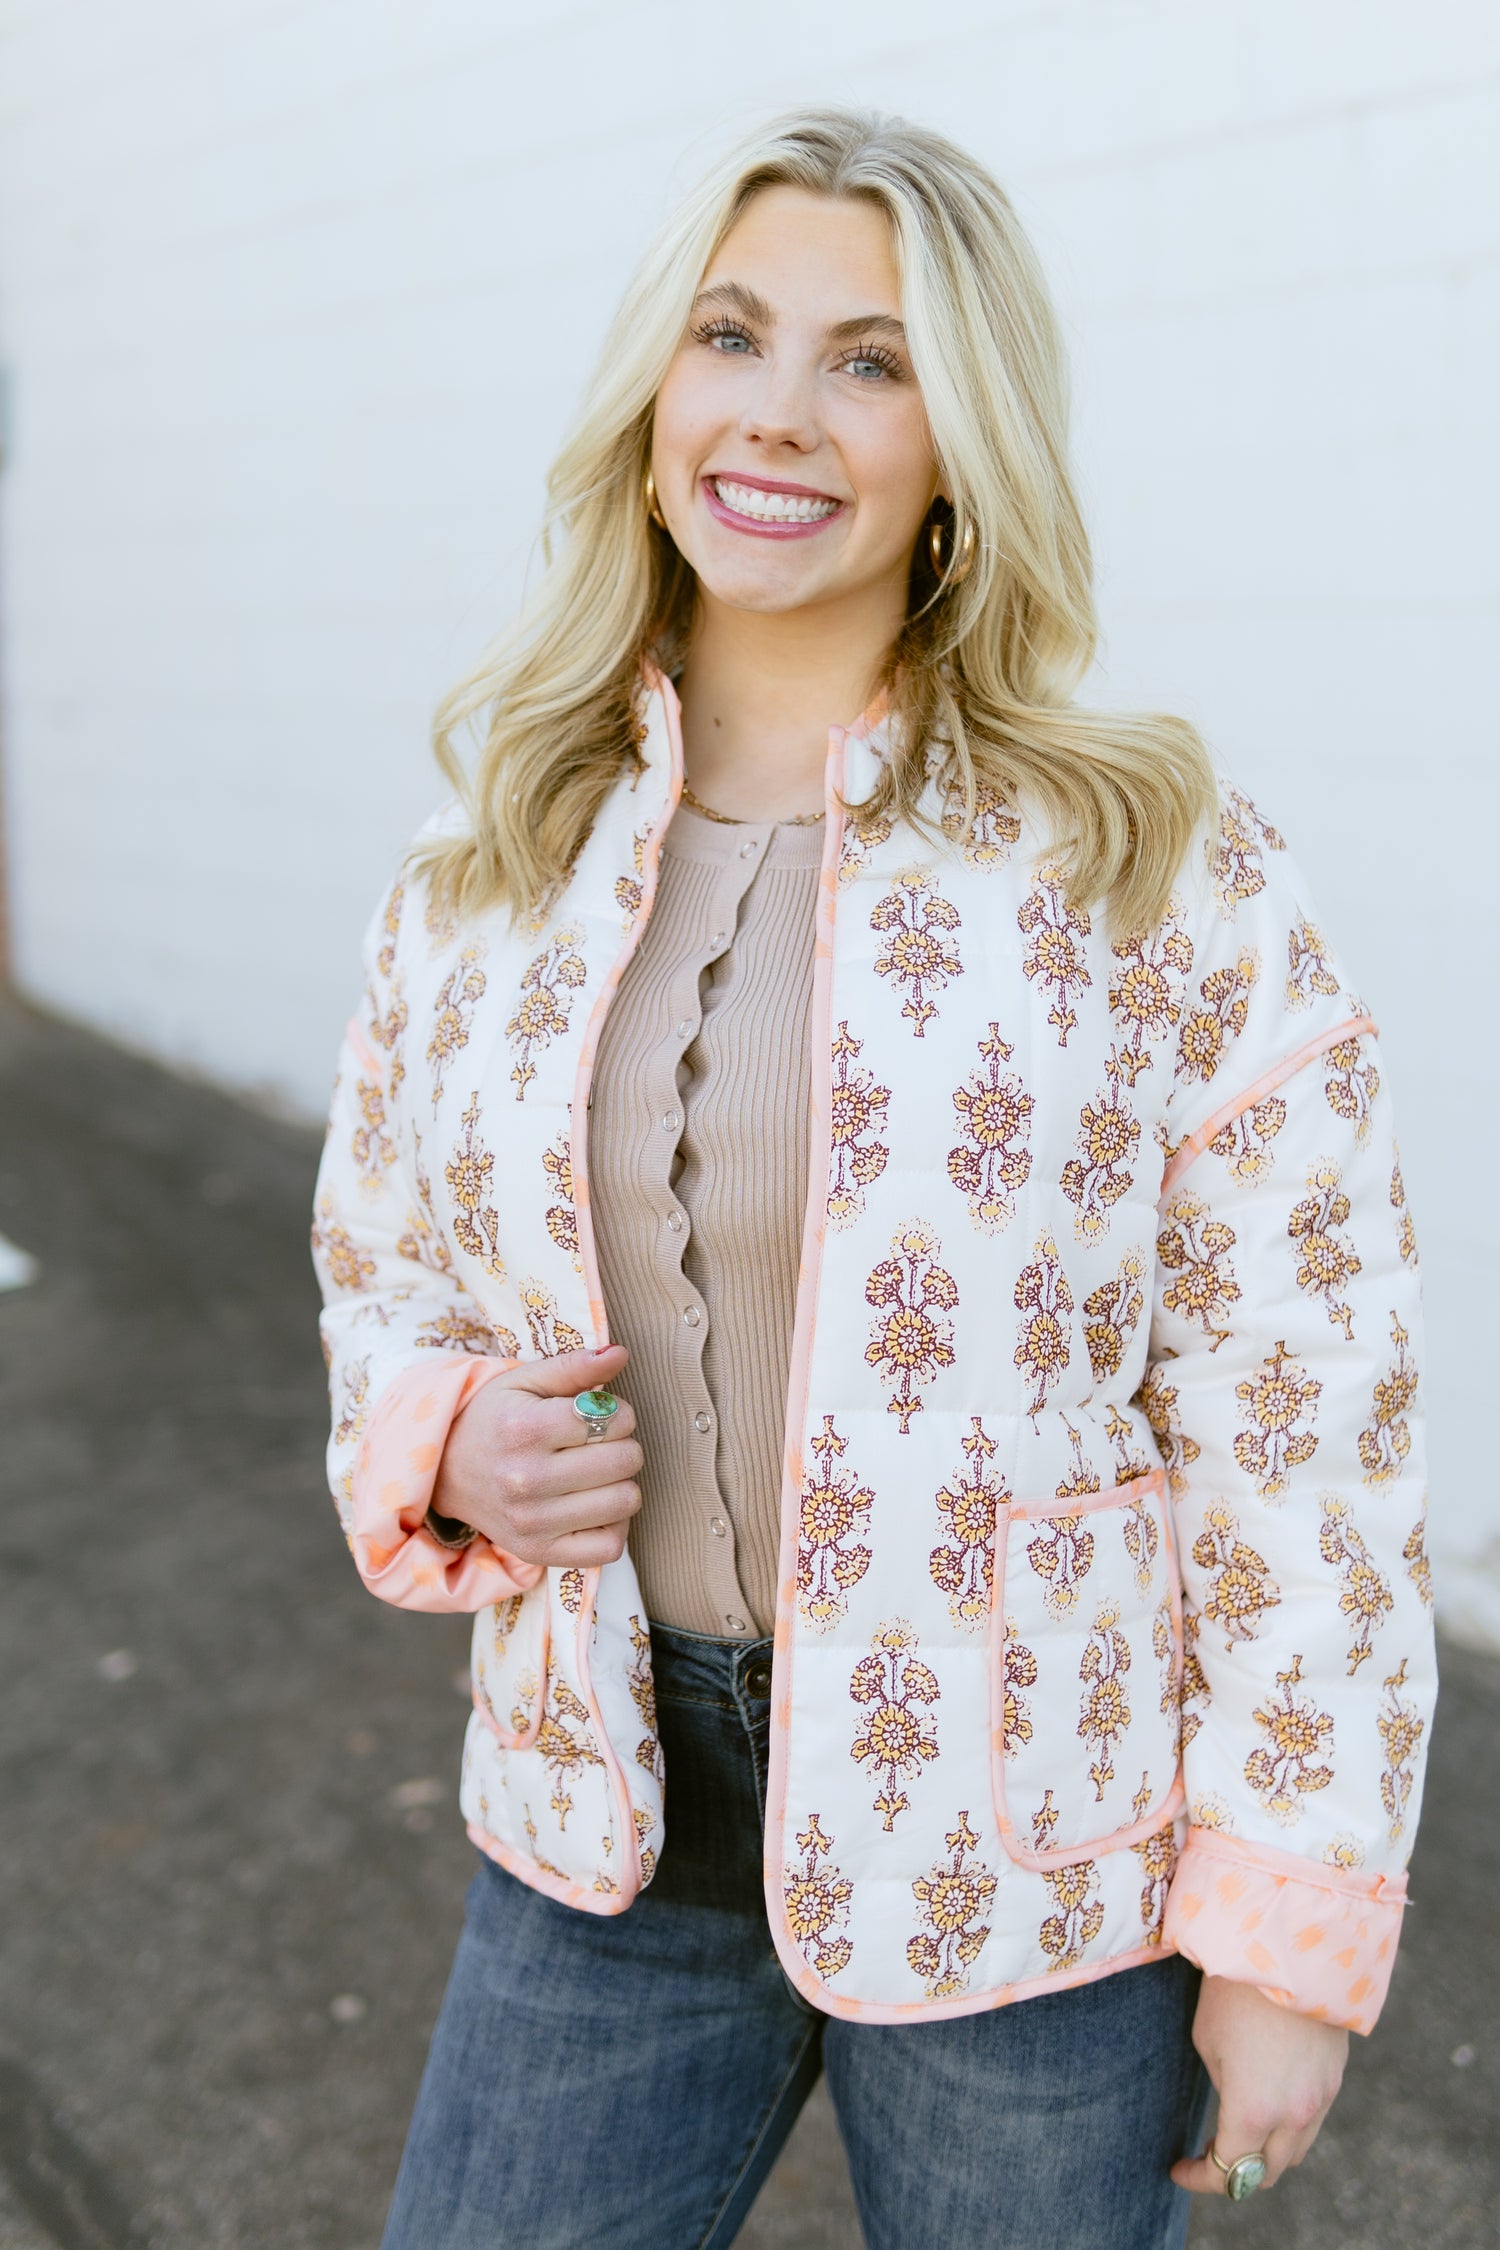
(231, 1867)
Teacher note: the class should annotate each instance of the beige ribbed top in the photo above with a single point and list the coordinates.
(697, 1185)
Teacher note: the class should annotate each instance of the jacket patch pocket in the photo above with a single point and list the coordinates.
(1086, 1672)
(508, 1663)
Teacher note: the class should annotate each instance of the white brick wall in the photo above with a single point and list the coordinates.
(295, 296)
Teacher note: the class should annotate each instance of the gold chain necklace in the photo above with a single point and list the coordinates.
(794, 820)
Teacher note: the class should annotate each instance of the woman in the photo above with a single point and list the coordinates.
(999, 1508)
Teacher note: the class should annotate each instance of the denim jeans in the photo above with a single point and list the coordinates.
(627, 2082)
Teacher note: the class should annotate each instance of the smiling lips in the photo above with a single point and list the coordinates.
(774, 511)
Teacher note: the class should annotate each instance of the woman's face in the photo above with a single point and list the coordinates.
(791, 452)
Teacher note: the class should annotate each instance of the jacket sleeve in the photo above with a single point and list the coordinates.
(406, 1345)
(1282, 1385)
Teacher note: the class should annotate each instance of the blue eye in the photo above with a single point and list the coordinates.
(725, 332)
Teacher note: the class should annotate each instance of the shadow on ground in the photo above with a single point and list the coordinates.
(231, 1872)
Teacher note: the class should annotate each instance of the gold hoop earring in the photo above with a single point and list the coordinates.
(961, 564)
(652, 510)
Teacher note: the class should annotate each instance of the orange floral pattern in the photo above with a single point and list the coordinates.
(1288, 1765)
(371, 1145)
(562, 1216)
(1235, 862)
(548, 984)
(1414, 1556)
(817, 1899)
(454, 1331)
(1061, 1552)
(1109, 1138)
(641, 1681)
(1241, 1590)
(992, 1111)
(1352, 1082)
(1309, 969)
(1208, 1031)
(353, 1402)
(564, 1740)
(861, 838)
(470, 1173)
(1159, 1401)
(1385, 1441)
(346, 1263)
(950, 1898)
(1406, 1236)
(549, 1334)
(857, 1108)
(1329, 1260)
(1104, 1715)
(1193, 1246)
(987, 841)
(1045, 1303)
(913, 1338)
(1245, 1142)
(1158, 1854)
(1146, 990)
(1056, 961)
(962, 1565)
(1077, 1914)
(462, 990)
(834, 1517)
(918, 955)
(1279, 1404)
(1110, 1314)
(1020, 1672)
(1401, 1728)
(1365, 1598)
(1142, 1539)
(895, 1735)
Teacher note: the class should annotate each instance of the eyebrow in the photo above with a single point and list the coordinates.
(754, 307)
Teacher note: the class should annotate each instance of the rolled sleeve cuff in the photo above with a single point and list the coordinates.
(1318, 1940)
(392, 1484)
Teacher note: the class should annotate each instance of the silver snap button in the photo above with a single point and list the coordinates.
(747, 849)
(735, 1624)
(702, 1421)
(684, 1027)
(670, 1120)
(718, 937)
(716, 1526)
(674, 1221)
(691, 1315)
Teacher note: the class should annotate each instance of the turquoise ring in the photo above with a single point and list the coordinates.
(598, 1409)
(1244, 2176)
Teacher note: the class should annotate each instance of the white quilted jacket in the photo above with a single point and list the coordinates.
(1103, 1619)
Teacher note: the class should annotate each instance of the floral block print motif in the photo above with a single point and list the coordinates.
(860, 840)
(1109, 1138)
(565, 1741)
(387, 1026)
(1045, 1303)
(549, 1334)
(992, 1111)
(1209, 1030)
(1241, 1590)
(950, 1898)
(1105, 1712)
(1245, 1143)
(562, 1217)
(346, 1263)
(463, 989)
(470, 1173)
(895, 1736)
(1139, 1532)
(1406, 1238)
(987, 840)
(817, 1902)
(353, 1402)
(631, 889)
(1159, 1401)
(1385, 1441)
(1197, 1695)
(1077, 1914)
(1414, 1557)
(455, 1331)
(1309, 970)
(857, 1114)
(1278, 1404)
(1158, 1856)
(1193, 1246)
(963, 1562)
(913, 1338)
(548, 984)
(918, 955)
(1146, 990)
(835, 1516)
(1351, 1083)
(1365, 1597)
(371, 1145)
(1020, 1672)
(1061, 1552)
(1298, 1736)
(1401, 1728)
(1328, 1259)
(1235, 864)
(1056, 961)
(1110, 1314)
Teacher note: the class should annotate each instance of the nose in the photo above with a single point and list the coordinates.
(783, 408)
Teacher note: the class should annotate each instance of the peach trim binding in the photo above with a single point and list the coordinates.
(630, 1872)
(1192, 1148)
(1318, 1940)
(1118, 1496)
(525, 1869)
(364, 1053)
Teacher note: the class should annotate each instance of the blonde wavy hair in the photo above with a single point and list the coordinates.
(984, 667)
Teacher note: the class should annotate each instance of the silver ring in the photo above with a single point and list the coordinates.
(1243, 2176)
(597, 1408)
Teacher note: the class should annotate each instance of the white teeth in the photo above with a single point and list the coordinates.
(771, 507)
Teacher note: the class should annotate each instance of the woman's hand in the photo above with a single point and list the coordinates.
(1275, 2074)
(519, 1465)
